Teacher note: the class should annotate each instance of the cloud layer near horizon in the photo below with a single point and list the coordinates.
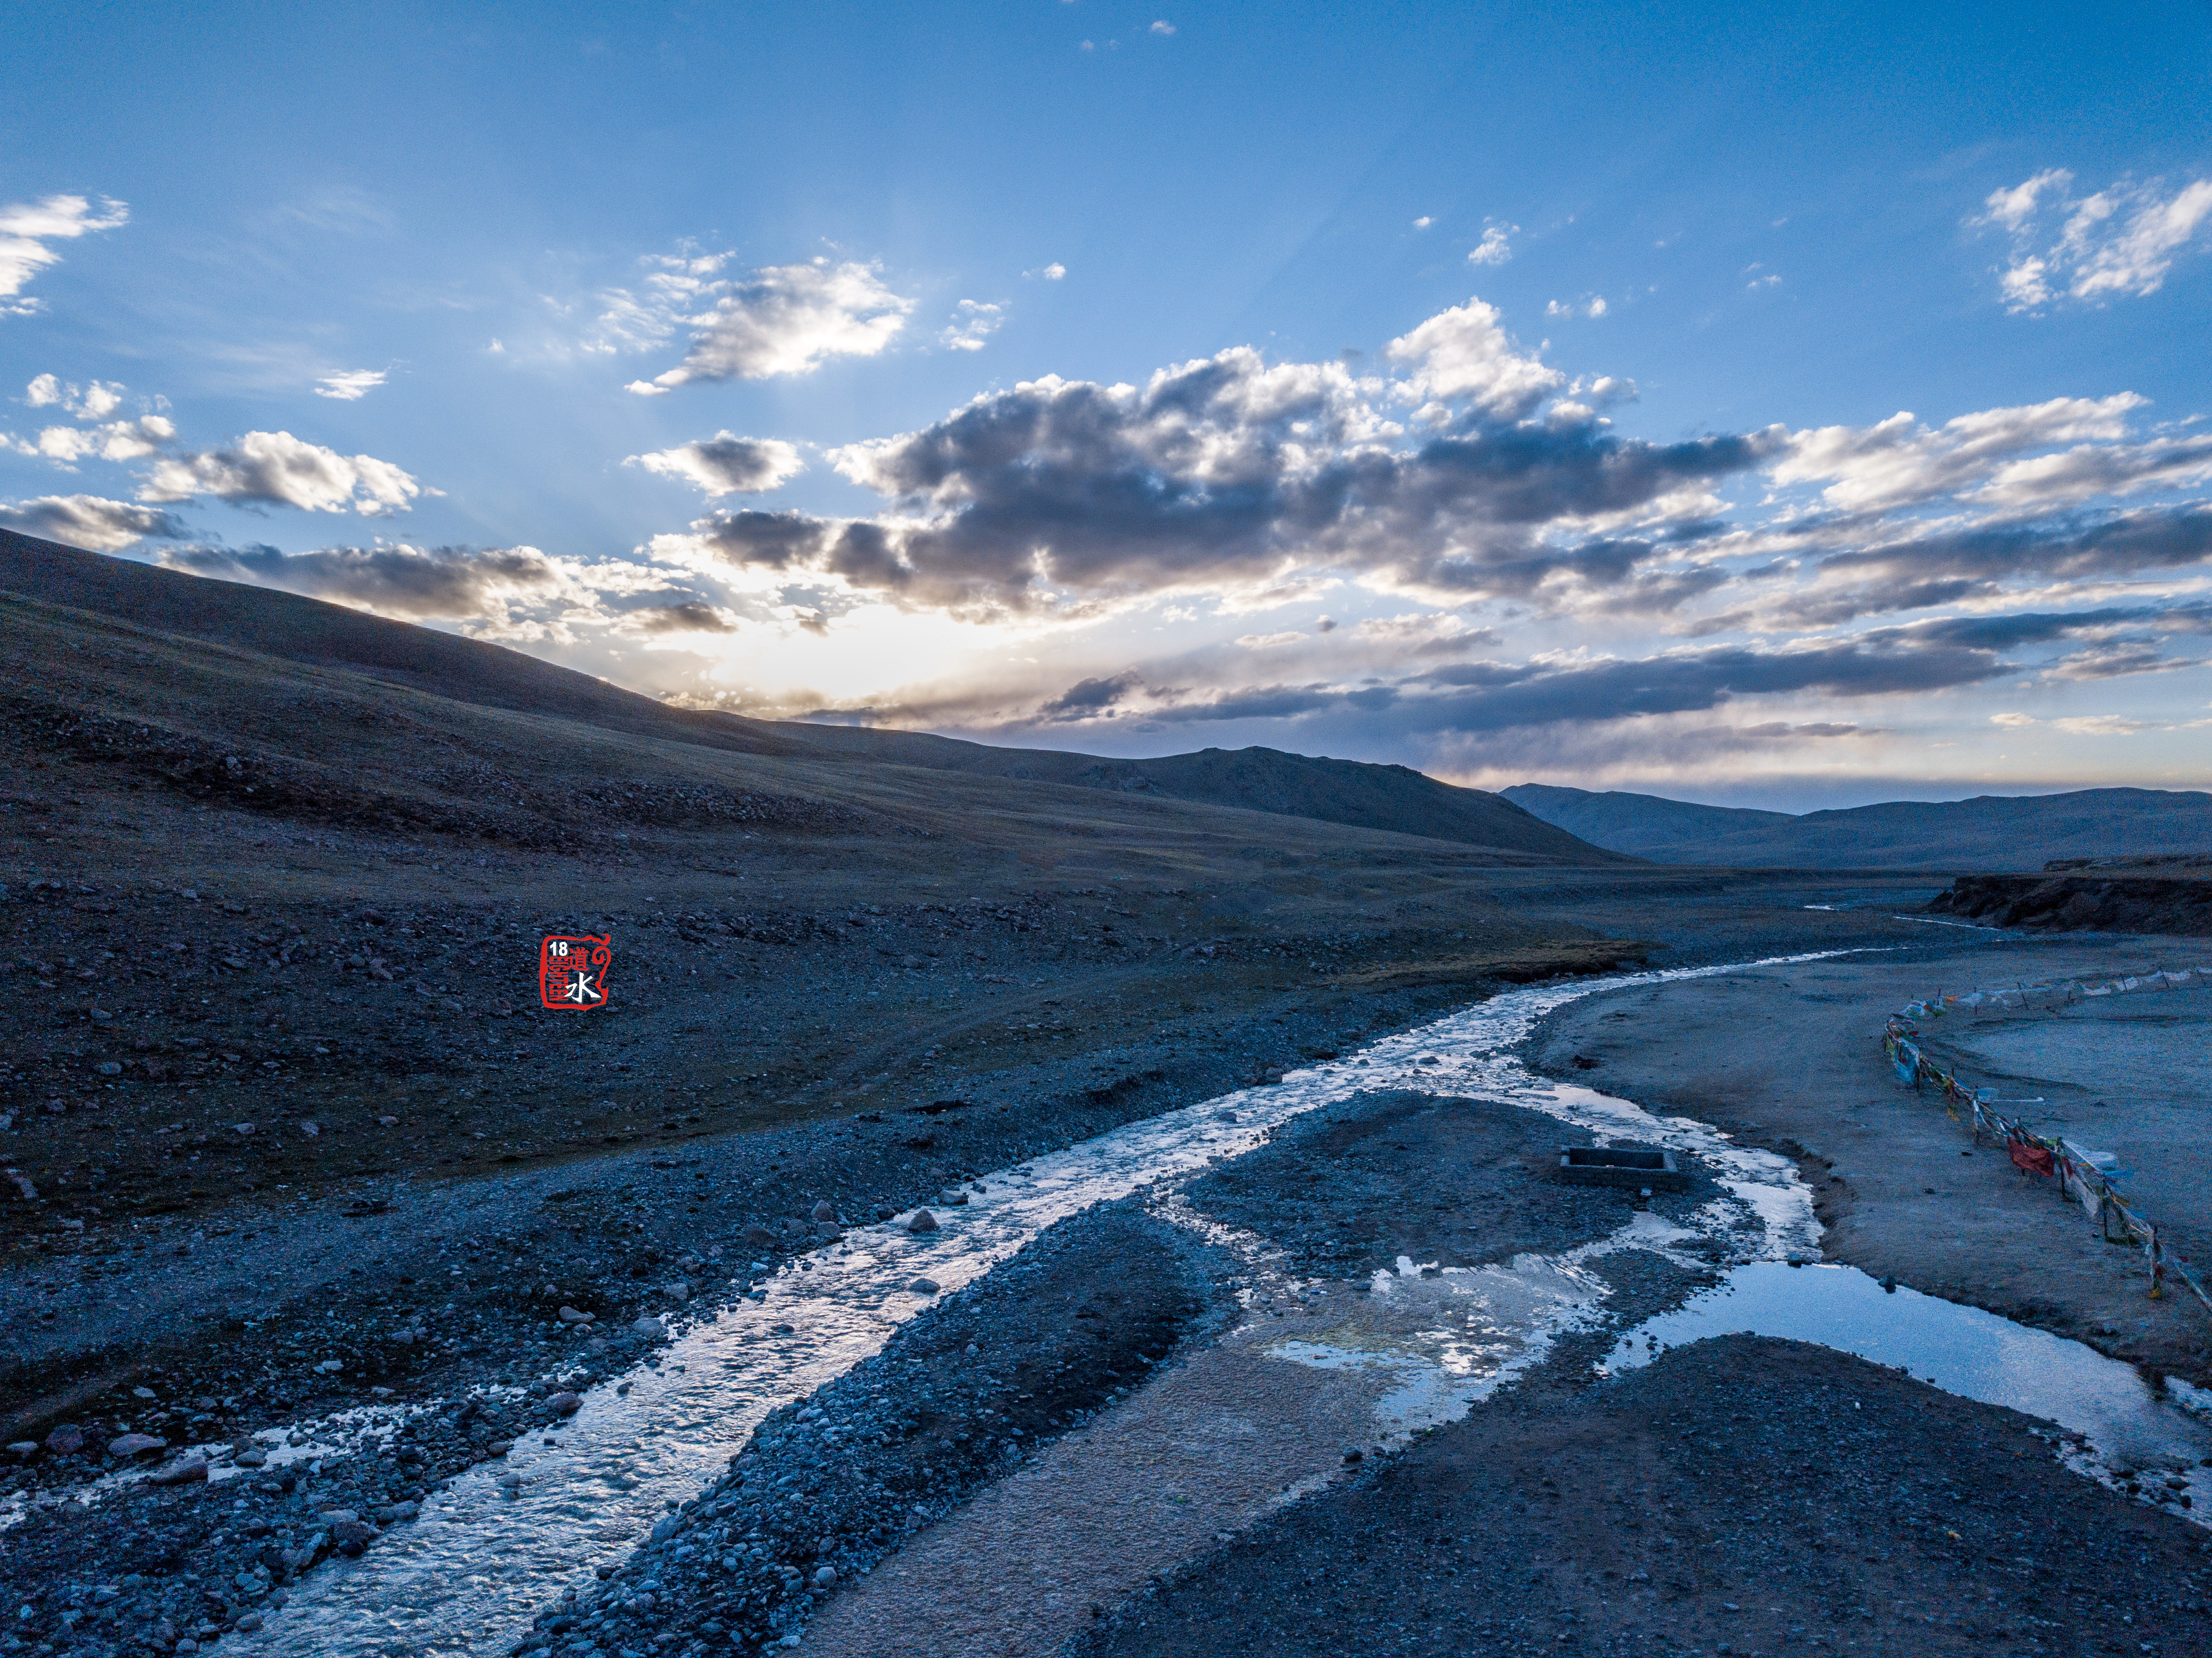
(1538, 585)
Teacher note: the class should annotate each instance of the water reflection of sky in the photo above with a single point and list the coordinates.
(1961, 1349)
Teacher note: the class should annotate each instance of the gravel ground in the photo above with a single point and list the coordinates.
(960, 1396)
(1739, 1495)
(420, 1295)
(1349, 1189)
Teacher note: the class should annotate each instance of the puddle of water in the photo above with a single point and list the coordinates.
(2123, 1425)
(501, 1540)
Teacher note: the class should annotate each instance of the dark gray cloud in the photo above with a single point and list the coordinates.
(2070, 548)
(1816, 610)
(689, 617)
(1215, 474)
(91, 522)
(412, 581)
(726, 464)
(1478, 697)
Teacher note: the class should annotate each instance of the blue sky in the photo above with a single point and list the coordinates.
(1782, 408)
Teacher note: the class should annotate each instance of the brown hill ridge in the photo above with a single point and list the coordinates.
(306, 631)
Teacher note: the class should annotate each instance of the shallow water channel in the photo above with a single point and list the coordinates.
(502, 1540)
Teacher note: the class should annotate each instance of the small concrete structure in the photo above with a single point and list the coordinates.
(1633, 1167)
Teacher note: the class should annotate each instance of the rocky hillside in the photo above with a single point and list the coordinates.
(1990, 832)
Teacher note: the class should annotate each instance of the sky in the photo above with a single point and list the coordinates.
(1780, 407)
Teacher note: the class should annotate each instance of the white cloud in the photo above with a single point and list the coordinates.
(95, 401)
(2012, 722)
(1052, 273)
(675, 286)
(786, 319)
(2118, 243)
(122, 440)
(1593, 306)
(279, 469)
(1493, 248)
(98, 525)
(350, 386)
(1161, 25)
(1464, 353)
(2014, 208)
(2103, 725)
(1424, 221)
(1899, 461)
(26, 228)
(972, 322)
(726, 464)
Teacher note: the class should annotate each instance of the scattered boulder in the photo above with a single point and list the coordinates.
(564, 1403)
(65, 1442)
(922, 1221)
(129, 1445)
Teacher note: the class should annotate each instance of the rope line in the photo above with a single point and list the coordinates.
(2080, 1180)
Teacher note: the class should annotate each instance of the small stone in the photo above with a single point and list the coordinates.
(181, 1473)
(564, 1403)
(825, 1577)
(253, 1459)
(108, 1068)
(1354, 1456)
(758, 1237)
(311, 1129)
(24, 1448)
(65, 1442)
(954, 1200)
(649, 1326)
(825, 1210)
(574, 1316)
(358, 1533)
(249, 1621)
(134, 1444)
(923, 1286)
(922, 1221)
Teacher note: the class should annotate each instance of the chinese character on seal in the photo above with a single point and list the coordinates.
(572, 972)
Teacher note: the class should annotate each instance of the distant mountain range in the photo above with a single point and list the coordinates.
(268, 623)
(1988, 832)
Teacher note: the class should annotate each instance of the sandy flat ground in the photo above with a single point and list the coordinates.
(1790, 1058)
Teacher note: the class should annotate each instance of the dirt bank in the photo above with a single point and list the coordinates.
(2176, 904)
(1790, 1058)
